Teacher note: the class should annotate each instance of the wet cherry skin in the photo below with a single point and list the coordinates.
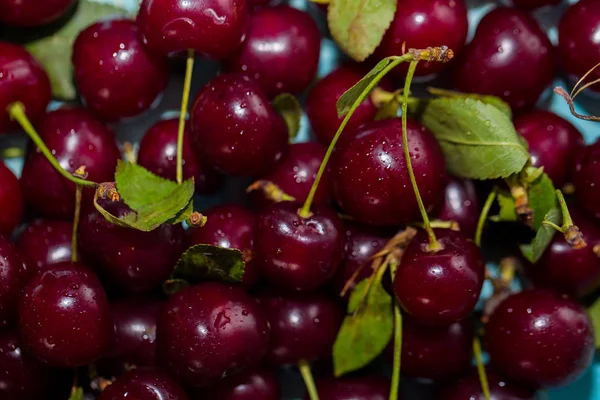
(361, 388)
(460, 205)
(30, 13)
(144, 384)
(11, 201)
(115, 74)
(540, 338)
(586, 179)
(261, 384)
(46, 242)
(24, 80)
(13, 277)
(469, 387)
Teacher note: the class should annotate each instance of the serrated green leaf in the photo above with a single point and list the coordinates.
(172, 286)
(478, 140)
(544, 235)
(358, 26)
(77, 394)
(487, 99)
(542, 198)
(507, 208)
(289, 108)
(365, 332)
(594, 312)
(54, 52)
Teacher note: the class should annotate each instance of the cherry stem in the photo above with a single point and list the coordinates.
(397, 343)
(76, 217)
(306, 373)
(485, 387)
(185, 98)
(483, 216)
(566, 215)
(17, 112)
(563, 93)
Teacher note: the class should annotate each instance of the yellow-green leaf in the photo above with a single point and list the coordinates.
(534, 250)
(289, 108)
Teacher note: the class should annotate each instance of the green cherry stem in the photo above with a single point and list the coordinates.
(304, 368)
(573, 235)
(397, 344)
(485, 387)
(185, 98)
(76, 217)
(483, 216)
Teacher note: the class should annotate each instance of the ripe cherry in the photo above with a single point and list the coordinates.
(586, 179)
(234, 127)
(13, 277)
(509, 48)
(64, 317)
(440, 287)
(115, 74)
(261, 384)
(11, 201)
(46, 242)
(370, 179)
(359, 388)
(22, 80)
(281, 50)
(469, 387)
(211, 331)
(461, 205)
(144, 384)
(30, 13)
(533, 4)
(540, 338)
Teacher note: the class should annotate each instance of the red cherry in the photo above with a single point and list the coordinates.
(11, 201)
(258, 385)
(469, 387)
(29, 13)
(144, 384)
(533, 4)
(13, 276)
(461, 205)
(586, 179)
(46, 242)
(359, 388)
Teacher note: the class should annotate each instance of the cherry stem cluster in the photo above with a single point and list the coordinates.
(187, 83)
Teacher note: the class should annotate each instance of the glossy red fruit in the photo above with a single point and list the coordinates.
(46, 242)
(421, 24)
(360, 388)
(370, 178)
(144, 384)
(64, 317)
(213, 28)
(234, 127)
(115, 74)
(321, 103)
(76, 138)
(298, 253)
(11, 201)
(509, 48)
(540, 338)
(261, 384)
(532, 4)
(13, 277)
(281, 50)
(586, 179)
(30, 13)
(211, 331)
(158, 154)
(440, 287)
(460, 205)
(469, 387)
(22, 80)
(553, 141)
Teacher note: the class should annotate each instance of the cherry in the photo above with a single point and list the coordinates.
(508, 48)
(144, 384)
(46, 242)
(158, 154)
(461, 205)
(64, 317)
(360, 388)
(540, 338)
(303, 326)
(552, 142)
(115, 74)
(370, 179)
(211, 331)
(533, 4)
(295, 252)
(469, 387)
(323, 96)
(585, 179)
(22, 79)
(281, 50)
(11, 201)
(29, 13)
(13, 276)
(214, 28)
(235, 128)
(440, 287)
(258, 385)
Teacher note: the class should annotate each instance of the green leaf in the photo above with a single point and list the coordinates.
(358, 26)
(76, 394)
(507, 208)
(288, 106)
(594, 312)
(365, 332)
(487, 99)
(478, 140)
(542, 198)
(54, 52)
(544, 235)
(172, 286)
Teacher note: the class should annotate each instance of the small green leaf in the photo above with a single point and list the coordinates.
(288, 106)
(544, 235)
(478, 140)
(542, 198)
(76, 394)
(358, 26)
(507, 208)
(487, 99)
(365, 332)
(205, 262)
(172, 286)
(594, 312)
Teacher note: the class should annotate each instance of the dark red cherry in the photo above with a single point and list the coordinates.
(211, 331)
(29, 13)
(214, 28)
(298, 253)
(46, 242)
(261, 384)
(323, 96)
(64, 317)
(586, 179)
(460, 205)
(540, 338)
(281, 50)
(115, 74)
(553, 142)
(469, 387)
(370, 178)
(13, 277)
(440, 287)
(421, 24)
(158, 153)
(359, 388)
(303, 326)
(509, 48)
(234, 127)
(144, 384)
(532, 4)
(22, 79)
(11, 201)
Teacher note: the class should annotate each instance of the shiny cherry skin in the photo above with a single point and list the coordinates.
(359, 388)
(23, 80)
(30, 13)
(281, 50)
(115, 74)
(586, 179)
(322, 98)
(211, 331)
(469, 387)
(460, 205)
(440, 287)
(508, 48)
(64, 316)
(303, 326)
(261, 384)
(540, 338)
(144, 384)
(13, 277)
(553, 141)
(158, 154)
(298, 253)
(11, 201)
(213, 28)
(46, 242)
(370, 178)
(421, 24)
(533, 4)
(234, 127)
